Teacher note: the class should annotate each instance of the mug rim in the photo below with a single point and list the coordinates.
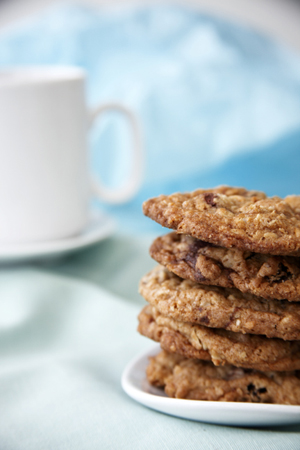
(32, 75)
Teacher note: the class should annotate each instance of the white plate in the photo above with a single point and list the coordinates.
(135, 384)
(99, 227)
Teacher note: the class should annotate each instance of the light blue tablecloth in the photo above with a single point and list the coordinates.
(218, 104)
(67, 330)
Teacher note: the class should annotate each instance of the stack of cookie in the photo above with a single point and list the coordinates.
(224, 303)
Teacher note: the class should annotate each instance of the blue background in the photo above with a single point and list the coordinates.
(218, 103)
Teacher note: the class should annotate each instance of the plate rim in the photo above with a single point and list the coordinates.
(147, 398)
(104, 226)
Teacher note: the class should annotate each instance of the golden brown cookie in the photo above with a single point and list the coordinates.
(170, 340)
(232, 217)
(201, 380)
(221, 346)
(268, 276)
(217, 307)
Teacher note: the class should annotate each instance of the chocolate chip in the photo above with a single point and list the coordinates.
(197, 244)
(262, 390)
(190, 258)
(192, 255)
(210, 198)
(250, 387)
(199, 277)
(204, 319)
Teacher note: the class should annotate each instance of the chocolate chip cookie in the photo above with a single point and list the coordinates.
(268, 276)
(221, 346)
(218, 307)
(232, 217)
(201, 380)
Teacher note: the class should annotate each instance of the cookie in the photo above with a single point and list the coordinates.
(221, 346)
(268, 276)
(169, 339)
(217, 307)
(232, 217)
(201, 380)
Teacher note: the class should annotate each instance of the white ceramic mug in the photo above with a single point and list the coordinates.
(44, 170)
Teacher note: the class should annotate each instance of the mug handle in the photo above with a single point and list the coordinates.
(131, 186)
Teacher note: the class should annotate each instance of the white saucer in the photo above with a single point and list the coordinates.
(135, 384)
(99, 227)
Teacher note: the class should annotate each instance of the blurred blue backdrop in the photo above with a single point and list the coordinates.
(218, 103)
